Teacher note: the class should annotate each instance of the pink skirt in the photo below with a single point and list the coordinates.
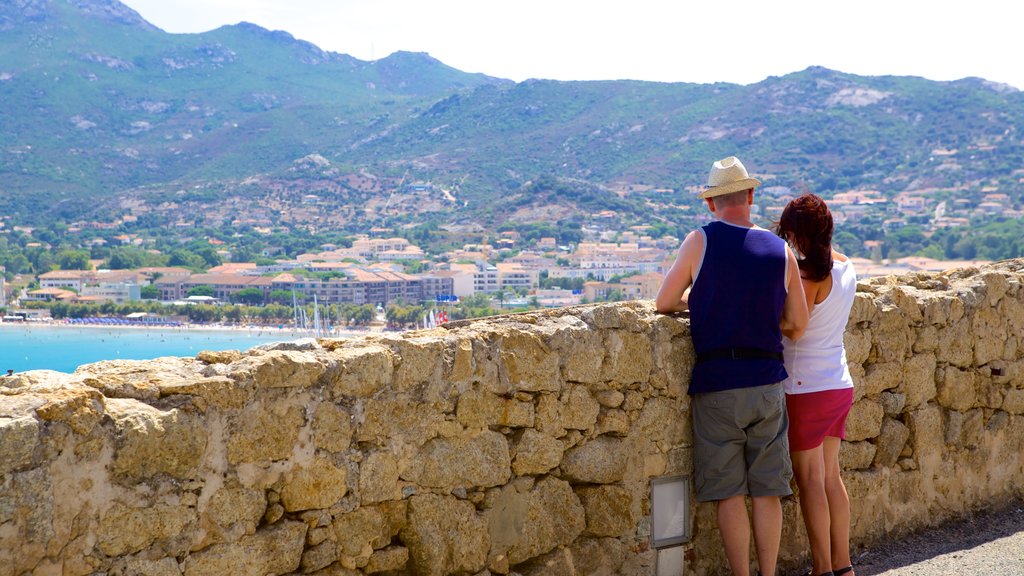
(816, 415)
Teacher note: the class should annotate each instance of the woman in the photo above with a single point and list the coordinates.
(819, 390)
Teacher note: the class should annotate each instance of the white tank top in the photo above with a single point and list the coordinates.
(817, 361)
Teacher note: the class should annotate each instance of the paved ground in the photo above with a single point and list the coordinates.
(988, 543)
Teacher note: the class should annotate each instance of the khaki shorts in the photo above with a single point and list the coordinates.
(740, 443)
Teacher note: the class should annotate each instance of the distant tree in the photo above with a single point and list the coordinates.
(201, 290)
(74, 260)
(150, 292)
(250, 296)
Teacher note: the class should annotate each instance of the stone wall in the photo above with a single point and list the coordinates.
(520, 444)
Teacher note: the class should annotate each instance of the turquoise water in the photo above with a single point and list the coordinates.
(29, 347)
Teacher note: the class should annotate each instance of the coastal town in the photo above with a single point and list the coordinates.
(611, 261)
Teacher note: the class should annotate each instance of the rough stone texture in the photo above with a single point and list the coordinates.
(274, 550)
(609, 510)
(536, 453)
(518, 444)
(445, 536)
(600, 461)
(477, 460)
(152, 441)
(318, 485)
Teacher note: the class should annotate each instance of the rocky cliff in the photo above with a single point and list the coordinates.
(519, 444)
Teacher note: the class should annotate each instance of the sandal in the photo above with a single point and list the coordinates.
(842, 571)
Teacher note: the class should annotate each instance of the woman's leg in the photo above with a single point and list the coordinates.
(809, 469)
(838, 505)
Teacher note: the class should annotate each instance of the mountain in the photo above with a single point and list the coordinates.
(101, 105)
(97, 100)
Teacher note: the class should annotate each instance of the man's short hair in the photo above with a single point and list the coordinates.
(731, 199)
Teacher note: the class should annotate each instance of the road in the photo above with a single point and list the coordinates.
(987, 543)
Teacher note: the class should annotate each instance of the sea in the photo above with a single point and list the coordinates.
(64, 348)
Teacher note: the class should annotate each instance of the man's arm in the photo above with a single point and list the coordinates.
(671, 297)
(794, 313)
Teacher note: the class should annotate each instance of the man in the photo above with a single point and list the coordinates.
(742, 287)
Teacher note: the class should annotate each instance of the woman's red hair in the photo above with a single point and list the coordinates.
(806, 223)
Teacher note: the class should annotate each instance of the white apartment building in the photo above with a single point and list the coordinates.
(117, 292)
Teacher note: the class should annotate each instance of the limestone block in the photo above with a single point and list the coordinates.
(275, 549)
(461, 352)
(602, 460)
(548, 416)
(890, 442)
(963, 429)
(864, 308)
(318, 556)
(628, 357)
(150, 441)
(892, 402)
(481, 409)
(558, 562)
(390, 559)
(138, 379)
(361, 372)
(864, 420)
(663, 420)
(858, 345)
(27, 506)
(81, 408)
(233, 504)
(942, 309)
(680, 461)
(581, 352)
(905, 299)
(133, 565)
(126, 530)
(880, 377)
(478, 460)
(218, 356)
(265, 432)
(926, 432)
(279, 369)
(318, 485)
(524, 524)
(19, 438)
(608, 510)
(527, 364)
(1013, 402)
(579, 409)
(598, 556)
(392, 419)
(856, 455)
(613, 422)
(989, 331)
(444, 536)
(956, 343)
(927, 339)
(332, 428)
(957, 389)
(919, 379)
(607, 316)
(892, 337)
(609, 398)
(378, 478)
(361, 531)
(220, 392)
(536, 453)
(419, 360)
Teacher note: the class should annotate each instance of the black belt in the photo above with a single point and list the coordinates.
(739, 354)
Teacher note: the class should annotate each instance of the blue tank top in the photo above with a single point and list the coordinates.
(736, 301)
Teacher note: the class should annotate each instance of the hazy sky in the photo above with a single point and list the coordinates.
(742, 41)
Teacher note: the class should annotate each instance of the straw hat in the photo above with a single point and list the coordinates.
(727, 176)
